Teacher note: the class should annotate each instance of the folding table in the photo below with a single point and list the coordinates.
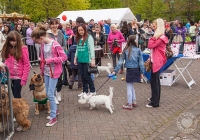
(184, 68)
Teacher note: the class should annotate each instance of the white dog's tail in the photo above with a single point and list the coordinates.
(109, 65)
(111, 93)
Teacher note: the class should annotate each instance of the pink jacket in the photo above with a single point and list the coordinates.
(59, 57)
(117, 35)
(158, 47)
(22, 67)
(69, 32)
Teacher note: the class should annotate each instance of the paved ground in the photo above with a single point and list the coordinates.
(77, 122)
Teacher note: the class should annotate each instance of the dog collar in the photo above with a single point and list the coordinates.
(38, 85)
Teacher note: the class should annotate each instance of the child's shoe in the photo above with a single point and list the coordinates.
(128, 106)
(80, 88)
(134, 104)
(121, 72)
(70, 86)
(51, 122)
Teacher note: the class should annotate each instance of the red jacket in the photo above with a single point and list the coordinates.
(158, 47)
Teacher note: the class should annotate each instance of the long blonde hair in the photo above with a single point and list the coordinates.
(160, 28)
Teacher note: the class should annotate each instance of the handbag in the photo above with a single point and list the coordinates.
(148, 65)
(169, 52)
(92, 69)
(177, 38)
(59, 83)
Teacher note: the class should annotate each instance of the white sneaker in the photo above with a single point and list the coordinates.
(14, 120)
(149, 99)
(92, 93)
(58, 96)
(56, 100)
(80, 94)
(141, 80)
(49, 118)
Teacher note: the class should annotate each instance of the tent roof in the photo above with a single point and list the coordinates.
(116, 15)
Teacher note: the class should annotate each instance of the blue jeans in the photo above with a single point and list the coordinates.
(50, 84)
(130, 93)
(86, 78)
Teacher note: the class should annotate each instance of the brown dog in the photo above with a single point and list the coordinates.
(21, 111)
(4, 109)
(39, 93)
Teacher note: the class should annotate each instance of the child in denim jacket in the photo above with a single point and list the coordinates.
(135, 67)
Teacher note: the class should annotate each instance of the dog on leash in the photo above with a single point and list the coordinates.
(39, 93)
(98, 100)
(20, 110)
(104, 68)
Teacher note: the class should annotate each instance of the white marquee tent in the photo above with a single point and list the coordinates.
(116, 15)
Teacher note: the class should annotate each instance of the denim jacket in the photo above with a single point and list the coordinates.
(135, 60)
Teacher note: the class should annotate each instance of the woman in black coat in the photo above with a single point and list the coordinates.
(99, 41)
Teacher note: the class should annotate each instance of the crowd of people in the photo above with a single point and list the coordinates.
(65, 50)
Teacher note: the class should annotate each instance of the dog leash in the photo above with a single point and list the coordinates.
(109, 76)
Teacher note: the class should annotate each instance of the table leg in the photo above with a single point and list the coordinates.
(181, 70)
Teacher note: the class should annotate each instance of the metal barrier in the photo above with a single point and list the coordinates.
(33, 51)
(6, 110)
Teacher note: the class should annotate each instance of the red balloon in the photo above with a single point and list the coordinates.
(64, 17)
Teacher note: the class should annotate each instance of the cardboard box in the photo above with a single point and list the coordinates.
(167, 77)
(175, 48)
(189, 49)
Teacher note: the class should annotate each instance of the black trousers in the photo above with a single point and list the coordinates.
(155, 88)
(65, 80)
(86, 78)
(114, 59)
(98, 61)
(32, 53)
(16, 88)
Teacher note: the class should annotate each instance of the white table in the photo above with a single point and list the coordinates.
(184, 68)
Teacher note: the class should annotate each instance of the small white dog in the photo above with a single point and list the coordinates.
(98, 100)
(104, 68)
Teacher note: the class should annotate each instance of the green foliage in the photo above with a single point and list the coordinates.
(10, 6)
(105, 4)
(44, 9)
(150, 9)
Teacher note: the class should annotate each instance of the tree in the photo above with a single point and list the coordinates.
(150, 9)
(9, 6)
(2, 5)
(105, 4)
(44, 9)
(188, 8)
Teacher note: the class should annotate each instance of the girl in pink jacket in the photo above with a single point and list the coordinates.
(17, 60)
(157, 44)
(70, 34)
(52, 55)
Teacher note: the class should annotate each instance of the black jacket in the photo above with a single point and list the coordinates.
(71, 54)
(101, 40)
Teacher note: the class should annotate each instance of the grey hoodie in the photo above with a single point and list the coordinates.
(61, 40)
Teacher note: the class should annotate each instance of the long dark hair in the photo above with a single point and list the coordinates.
(125, 29)
(78, 36)
(130, 43)
(17, 50)
(4, 32)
